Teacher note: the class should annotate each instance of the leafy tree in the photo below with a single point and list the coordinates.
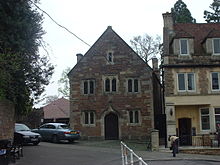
(181, 14)
(215, 15)
(24, 73)
(64, 83)
(146, 46)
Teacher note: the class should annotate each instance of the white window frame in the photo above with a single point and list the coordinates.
(205, 130)
(186, 82)
(187, 46)
(88, 92)
(218, 81)
(213, 46)
(89, 118)
(133, 87)
(215, 116)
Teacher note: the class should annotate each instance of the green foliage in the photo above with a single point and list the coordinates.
(24, 73)
(146, 46)
(64, 83)
(181, 14)
(215, 15)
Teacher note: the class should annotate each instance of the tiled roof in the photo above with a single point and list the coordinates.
(57, 109)
(199, 31)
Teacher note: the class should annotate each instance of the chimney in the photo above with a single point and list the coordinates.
(168, 32)
(168, 20)
(79, 56)
(155, 63)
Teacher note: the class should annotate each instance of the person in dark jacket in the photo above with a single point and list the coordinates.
(174, 144)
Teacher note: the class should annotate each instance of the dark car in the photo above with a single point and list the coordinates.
(27, 135)
(56, 132)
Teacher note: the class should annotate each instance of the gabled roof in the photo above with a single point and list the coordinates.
(199, 31)
(57, 109)
(108, 34)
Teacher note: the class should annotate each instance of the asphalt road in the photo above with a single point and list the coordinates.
(77, 154)
(182, 162)
(68, 154)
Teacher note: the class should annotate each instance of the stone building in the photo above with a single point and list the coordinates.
(111, 91)
(191, 67)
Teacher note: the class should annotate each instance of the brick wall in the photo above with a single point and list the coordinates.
(126, 65)
(6, 120)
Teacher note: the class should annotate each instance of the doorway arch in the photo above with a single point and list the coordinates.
(111, 127)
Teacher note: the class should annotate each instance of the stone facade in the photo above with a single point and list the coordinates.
(186, 97)
(104, 113)
(6, 120)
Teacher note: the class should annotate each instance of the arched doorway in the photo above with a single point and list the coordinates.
(111, 126)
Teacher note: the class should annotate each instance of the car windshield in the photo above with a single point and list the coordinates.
(64, 126)
(21, 127)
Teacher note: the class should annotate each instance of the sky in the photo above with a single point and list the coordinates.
(88, 19)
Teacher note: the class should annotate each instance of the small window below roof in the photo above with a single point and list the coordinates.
(216, 46)
(110, 57)
(184, 47)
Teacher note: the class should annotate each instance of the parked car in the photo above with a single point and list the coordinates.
(56, 132)
(27, 135)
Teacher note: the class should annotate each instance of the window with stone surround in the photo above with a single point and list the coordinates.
(217, 118)
(134, 116)
(88, 87)
(132, 85)
(110, 57)
(88, 118)
(110, 84)
(186, 82)
(216, 46)
(184, 47)
(215, 81)
(205, 119)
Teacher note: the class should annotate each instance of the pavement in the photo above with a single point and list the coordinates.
(164, 154)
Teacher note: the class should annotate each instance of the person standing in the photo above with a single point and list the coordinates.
(174, 144)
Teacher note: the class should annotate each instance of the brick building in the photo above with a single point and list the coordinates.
(57, 111)
(111, 91)
(191, 65)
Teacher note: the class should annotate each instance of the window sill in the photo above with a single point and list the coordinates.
(88, 125)
(187, 92)
(134, 124)
(216, 54)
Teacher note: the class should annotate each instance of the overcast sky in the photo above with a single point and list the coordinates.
(88, 19)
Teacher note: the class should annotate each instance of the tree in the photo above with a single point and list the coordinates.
(181, 14)
(24, 73)
(146, 46)
(215, 15)
(64, 81)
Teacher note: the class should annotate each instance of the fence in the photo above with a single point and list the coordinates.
(127, 153)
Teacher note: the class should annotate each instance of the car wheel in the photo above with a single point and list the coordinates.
(55, 139)
(36, 143)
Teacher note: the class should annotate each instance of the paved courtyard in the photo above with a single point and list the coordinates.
(103, 153)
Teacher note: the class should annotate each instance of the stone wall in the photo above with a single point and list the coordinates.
(6, 120)
(126, 65)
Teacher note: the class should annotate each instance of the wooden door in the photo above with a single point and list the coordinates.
(185, 127)
(111, 127)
